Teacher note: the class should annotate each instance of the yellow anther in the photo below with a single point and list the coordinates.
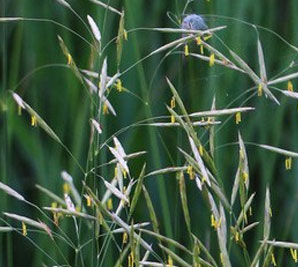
(290, 86)
(125, 35)
(222, 259)
(119, 86)
(66, 188)
(33, 121)
(124, 174)
(238, 117)
(199, 41)
(24, 229)
(173, 102)
(244, 176)
(206, 38)
(237, 236)
(125, 238)
(260, 90)
(110, 204)
(190, 172)
(214, 223)
(173, 119)
(170, 261)
(273, 261)
(288, 163)
(105, 109)
(69, 59)
(211, 60)
(294, 254)
(186, 50)
(55, 214)
(201, 150)
(88, 200)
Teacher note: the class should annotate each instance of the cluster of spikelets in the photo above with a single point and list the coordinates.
(113, 212)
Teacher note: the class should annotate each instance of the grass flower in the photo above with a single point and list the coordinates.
(33, 121)
(288, 163)
(211, 60)
(290, 86)
(294, 254)
(186, 50)
(24, 229)
(119, 86)
(238, 117)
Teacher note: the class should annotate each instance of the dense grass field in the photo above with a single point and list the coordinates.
(105, 159)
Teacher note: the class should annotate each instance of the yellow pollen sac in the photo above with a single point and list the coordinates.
(110, 204)
(294, 254)
(244, 176)
(116, 172)
(24, 229)
(201, 150)
(221, 258)
(105, 109)
(55, 214)
(33, 121)
(124, 174)
(260, 90)
(237, 237)
(125, 35)
(199, 41)
(119, 86)
(238, 117)
(88, 200)
(214, 223)
(186, 50)
(211, 60)
(273, 261)
(173, 102)
(125, 238)
(270, 212)
(212, 220)
(290, 86)
(69, 59)
(190, 172)
(170, 261)
(288, 163)
(206, 38)
(131, 260)
(173, 119)
(66, 188)
(204, 179)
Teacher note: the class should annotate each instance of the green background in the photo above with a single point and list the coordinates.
(29, 156)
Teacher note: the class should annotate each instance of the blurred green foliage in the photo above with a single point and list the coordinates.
(33, 65)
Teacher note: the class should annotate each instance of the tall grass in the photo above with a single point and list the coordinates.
(194, 170)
